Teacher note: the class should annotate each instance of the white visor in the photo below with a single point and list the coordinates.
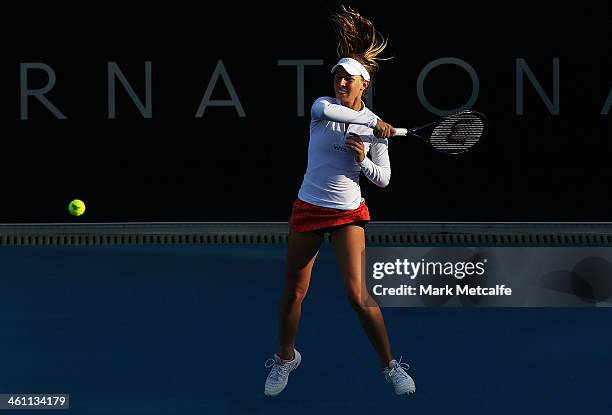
(353, 67)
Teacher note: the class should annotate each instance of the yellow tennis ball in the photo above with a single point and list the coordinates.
(76, 207)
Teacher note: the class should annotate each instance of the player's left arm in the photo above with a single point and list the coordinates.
(378, 168)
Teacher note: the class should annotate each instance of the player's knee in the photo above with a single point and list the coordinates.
(293, 295)
(355, 299)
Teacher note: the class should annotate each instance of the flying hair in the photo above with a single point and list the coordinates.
(357, 38)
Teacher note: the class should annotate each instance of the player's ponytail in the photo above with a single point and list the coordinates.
(358, 39)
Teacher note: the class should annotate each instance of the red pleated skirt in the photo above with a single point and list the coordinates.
(306, 217)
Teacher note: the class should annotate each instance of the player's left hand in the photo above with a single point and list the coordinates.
(353, 142)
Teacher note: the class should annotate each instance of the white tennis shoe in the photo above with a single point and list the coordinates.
(396, 374)
(279, 374)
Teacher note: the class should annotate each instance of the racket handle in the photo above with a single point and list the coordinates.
(401, 132)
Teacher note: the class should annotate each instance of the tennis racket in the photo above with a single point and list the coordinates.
(452, 134)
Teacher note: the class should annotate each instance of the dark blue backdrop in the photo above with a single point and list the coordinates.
(186, 329)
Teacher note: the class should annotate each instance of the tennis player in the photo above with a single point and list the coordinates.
(342, 132)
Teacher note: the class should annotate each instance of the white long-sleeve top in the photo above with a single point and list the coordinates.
(332, 173)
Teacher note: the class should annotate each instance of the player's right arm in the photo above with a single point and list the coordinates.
(325, 108)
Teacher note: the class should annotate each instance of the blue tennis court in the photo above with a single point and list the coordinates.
(172, 329)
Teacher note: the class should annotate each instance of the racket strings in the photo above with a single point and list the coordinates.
(456, 134)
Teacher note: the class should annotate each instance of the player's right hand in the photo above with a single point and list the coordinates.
(383, 130)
